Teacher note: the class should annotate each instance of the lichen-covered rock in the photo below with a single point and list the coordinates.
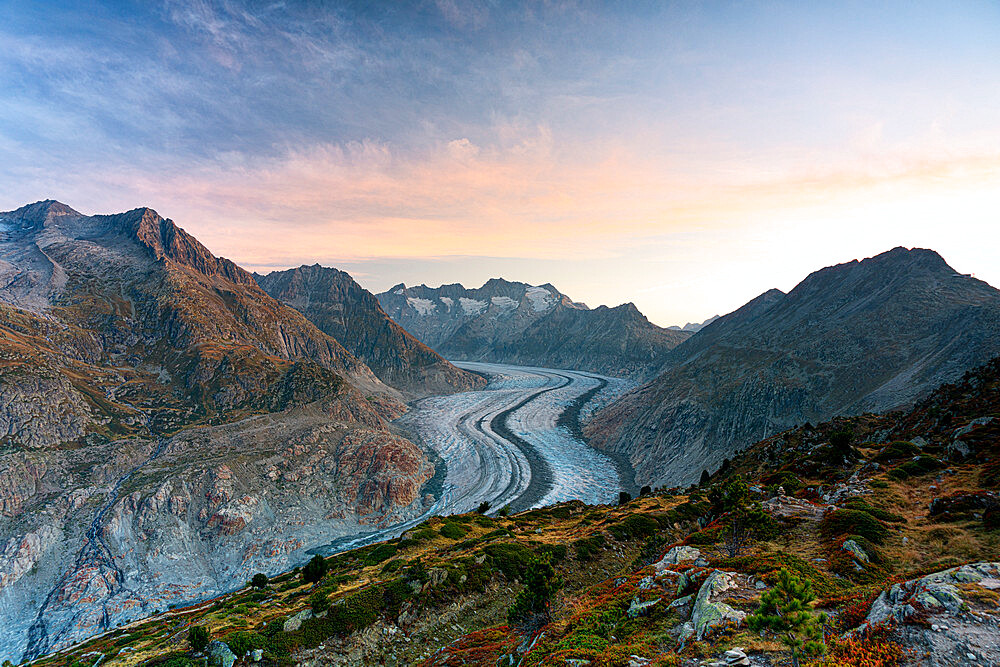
(639, 608)
(294, 622)
(945, 617)
(678, 554)
(709, 611)
(219, 654)
(853, 548)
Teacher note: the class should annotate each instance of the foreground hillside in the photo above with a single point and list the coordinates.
(891, 520)
(340, 307)
(864, 336)
(162, 424)
(514, 323)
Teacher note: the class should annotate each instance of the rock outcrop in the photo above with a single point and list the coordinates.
(944, 619)
(865, 336)
(340, 307)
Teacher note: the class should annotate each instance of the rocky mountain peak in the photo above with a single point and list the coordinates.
(40, 212)
(165, 240)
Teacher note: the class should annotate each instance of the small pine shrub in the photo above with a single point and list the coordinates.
(198, 638)
(315, 569)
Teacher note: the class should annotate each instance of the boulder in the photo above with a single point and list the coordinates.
(677, 555)
(637, 608)
(709, 612)
(787, 507)
(294, 622)
(219, 654)
(944, 616)
(853, 548)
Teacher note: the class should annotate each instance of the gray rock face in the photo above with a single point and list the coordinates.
(863, 336)
(945, 618)
(340, 307)
(510, 322)
(709, 613)
(168, 428)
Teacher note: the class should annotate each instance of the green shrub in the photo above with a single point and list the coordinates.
(259, 580)
(198, 638)
(587, 547)
(425, 534)
(453, 531)
(315, 569)
(634, 526)
(843, 522)
(862, 505)
(554, 552)
(243, 642)
(319, 601)
(915, 468)
(509, 557)
(380, 553)
(532, 602)
(895, 451)
(392, 566)
(705, 537)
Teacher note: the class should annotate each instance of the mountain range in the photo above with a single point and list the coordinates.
(517, 323)
(340, 307)
(167, 428)
(864, 336)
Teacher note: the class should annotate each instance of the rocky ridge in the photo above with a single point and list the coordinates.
(166, 427)
(341, 308)
(516, 323)
(873, 335)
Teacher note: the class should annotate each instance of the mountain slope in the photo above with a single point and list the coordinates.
(511, 322)
(167, 428)
(862, 336)
(660, 580)
(340, 307)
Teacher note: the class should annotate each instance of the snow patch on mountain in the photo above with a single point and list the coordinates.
(472, 306)
(422, 306)
(448, 301)
(505, 303)
(540, 298)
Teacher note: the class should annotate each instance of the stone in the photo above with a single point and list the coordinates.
(294, 622)
(853, 548)
(710, 614)
(942, 614)
(687, 632)
(256, 655)
(676, 555)
(219, 654)
(637, 608)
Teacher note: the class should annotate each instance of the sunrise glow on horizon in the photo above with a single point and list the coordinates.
(682, 156)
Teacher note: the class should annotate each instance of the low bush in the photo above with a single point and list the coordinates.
(862, 505)
(845, 522)
(915, 468)
(897, 451)
(453, 531)
(634, 526)
(380, 553)
(510, 558)
(587, 547)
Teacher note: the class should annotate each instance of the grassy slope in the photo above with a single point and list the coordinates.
(448, 583)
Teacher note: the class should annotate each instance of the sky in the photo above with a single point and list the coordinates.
(683, 156)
